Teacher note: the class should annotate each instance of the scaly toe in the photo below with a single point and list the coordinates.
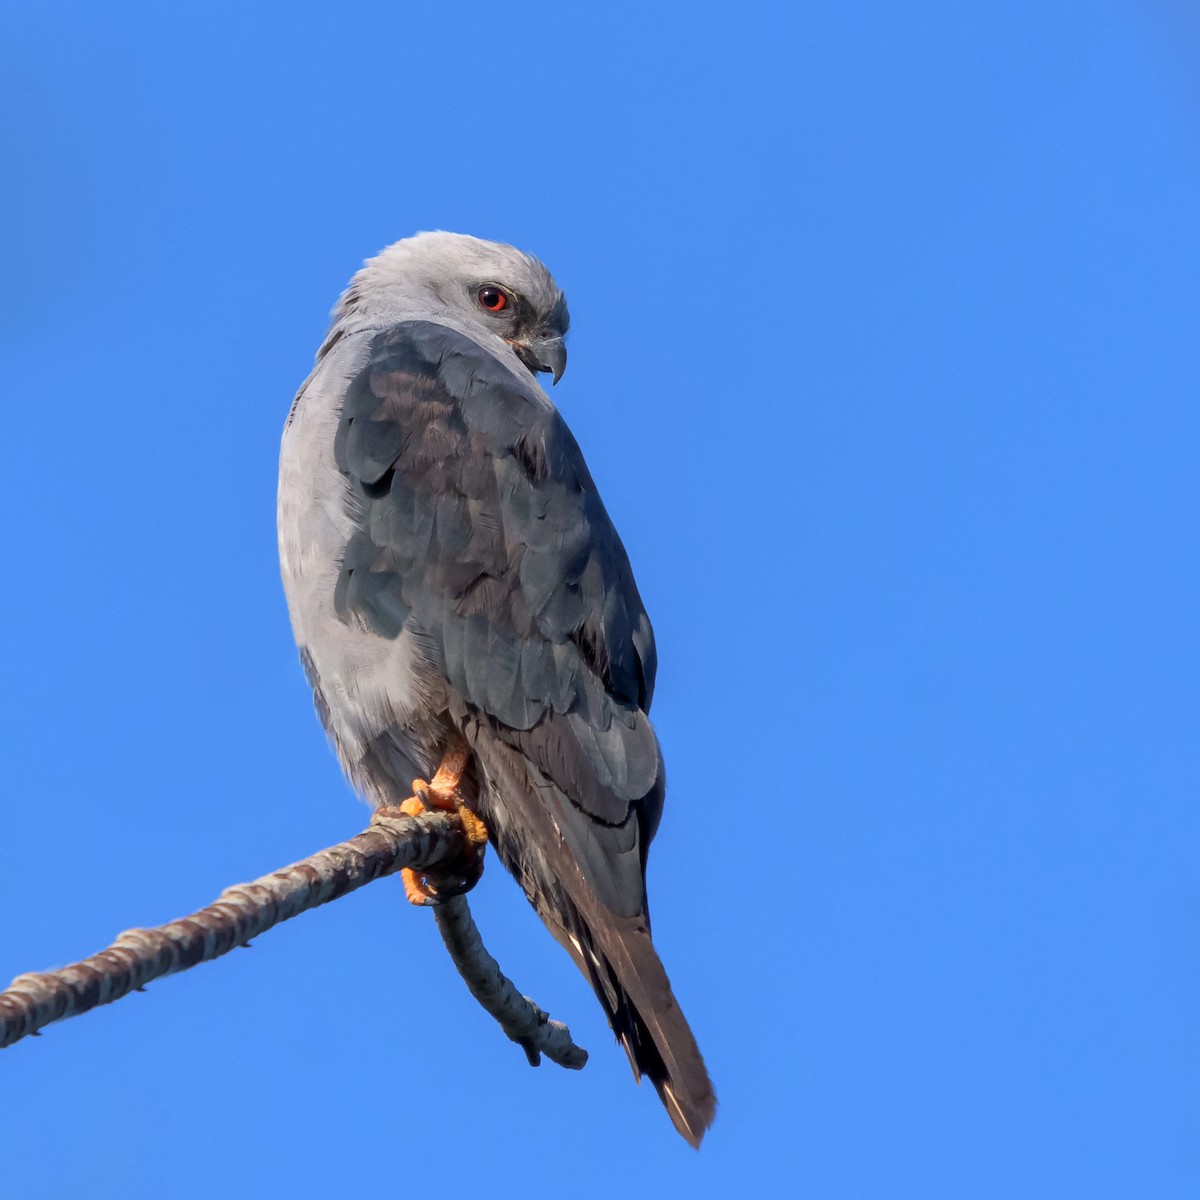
(416, 890)
(414, 806)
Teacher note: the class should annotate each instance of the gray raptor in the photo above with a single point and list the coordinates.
(455, 581)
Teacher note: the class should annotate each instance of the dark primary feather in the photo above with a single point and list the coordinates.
(483, 533)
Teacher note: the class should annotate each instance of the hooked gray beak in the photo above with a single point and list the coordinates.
(548, 353)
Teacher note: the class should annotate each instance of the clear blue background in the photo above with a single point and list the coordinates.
(885, 358)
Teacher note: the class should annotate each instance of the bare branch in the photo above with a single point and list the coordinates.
(517, 1015)
(244, 911)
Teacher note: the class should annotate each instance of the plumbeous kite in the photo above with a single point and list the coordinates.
(466, 613)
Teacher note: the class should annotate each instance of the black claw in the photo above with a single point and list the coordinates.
(451, 885)
(447, 886)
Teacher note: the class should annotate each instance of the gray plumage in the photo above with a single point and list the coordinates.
(450, 568)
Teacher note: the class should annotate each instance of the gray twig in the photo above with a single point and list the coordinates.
(246, 910)
(517, 1015)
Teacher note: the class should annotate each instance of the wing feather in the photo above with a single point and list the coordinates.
(483, 530)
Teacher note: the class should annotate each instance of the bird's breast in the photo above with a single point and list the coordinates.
(368, 686)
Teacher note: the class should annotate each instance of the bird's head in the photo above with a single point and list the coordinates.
(479, 286)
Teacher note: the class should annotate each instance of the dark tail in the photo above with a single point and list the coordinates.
(620, 962)
(614, 952)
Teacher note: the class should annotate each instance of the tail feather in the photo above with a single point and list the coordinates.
(614, 952)
(632, 986)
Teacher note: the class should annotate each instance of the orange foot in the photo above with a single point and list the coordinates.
(441, 794)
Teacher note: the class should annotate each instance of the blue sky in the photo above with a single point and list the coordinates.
(884, 357)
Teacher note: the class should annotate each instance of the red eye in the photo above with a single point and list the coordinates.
(492, 298)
